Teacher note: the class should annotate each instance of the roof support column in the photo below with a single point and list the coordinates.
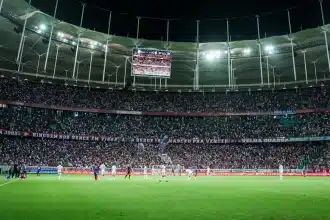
(90, 65)
(78, 42)
(231, 73)
(325, 33)
(137, 41)
(50, 37)
(21, 55)
(228, 55)
(267, 63)
(22, 37)
(260, 52)
(57, 49)
(117, 68)
(1, 3)
(38, 63)
(315, 70)
(292, 49)
(274, 78)
(305, 64)
(125, 70)
(106, 48)
(196, 78)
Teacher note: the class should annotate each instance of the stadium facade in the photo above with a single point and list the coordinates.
(37, 46)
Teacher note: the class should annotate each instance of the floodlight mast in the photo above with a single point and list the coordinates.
(196, 78)
(260, 52)
(292, 49)
(50, 37)
(106, 47)
(325, 33)
(23, 33)
(228, 55)
(78, 42)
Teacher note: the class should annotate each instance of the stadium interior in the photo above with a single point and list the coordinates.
(224, 111)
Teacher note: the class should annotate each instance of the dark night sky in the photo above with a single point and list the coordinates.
(273, 20)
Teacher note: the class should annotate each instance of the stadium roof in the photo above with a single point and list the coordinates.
(213, 69)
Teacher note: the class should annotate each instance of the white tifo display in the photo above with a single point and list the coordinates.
(152, 63)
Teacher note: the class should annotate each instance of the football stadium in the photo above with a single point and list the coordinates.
(101, 124)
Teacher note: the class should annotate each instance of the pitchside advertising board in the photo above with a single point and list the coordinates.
(201, 172)
(151, 63)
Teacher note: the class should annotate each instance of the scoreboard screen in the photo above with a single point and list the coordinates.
(152, 63)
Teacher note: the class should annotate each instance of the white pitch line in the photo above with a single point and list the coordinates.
(8, 182)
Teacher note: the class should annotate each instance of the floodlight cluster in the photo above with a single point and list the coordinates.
(69, 39)
(217, 54)
(269, 49)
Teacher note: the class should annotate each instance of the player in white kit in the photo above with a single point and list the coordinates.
(145, 172)
(59, 171)
(163, 173)
(190, 173)
(208, 171)
(113, 171)
(102, 168)
(281, 171)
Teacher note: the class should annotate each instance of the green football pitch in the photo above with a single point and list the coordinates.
(80, 197)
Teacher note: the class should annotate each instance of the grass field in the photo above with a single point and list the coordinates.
(79, 197)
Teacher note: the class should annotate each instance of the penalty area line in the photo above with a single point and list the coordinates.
(8, 182)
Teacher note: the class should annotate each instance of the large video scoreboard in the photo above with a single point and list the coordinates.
(152, 63)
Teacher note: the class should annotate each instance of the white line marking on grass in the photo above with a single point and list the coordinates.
(8, 182)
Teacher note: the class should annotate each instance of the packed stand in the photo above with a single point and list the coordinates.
(46, 152)
(259, 101)
(16, 118)
(43, 152)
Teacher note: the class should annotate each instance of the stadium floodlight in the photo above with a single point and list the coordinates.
(247, 51)
(42, 27)
(269, 49)
(211, 55)
(231, 52)
(92, 46)
(74, 43)
(60, 34)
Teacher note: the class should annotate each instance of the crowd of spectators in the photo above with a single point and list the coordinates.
(258, 101)
(16, 118)
(46, 152)
(34, 151)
